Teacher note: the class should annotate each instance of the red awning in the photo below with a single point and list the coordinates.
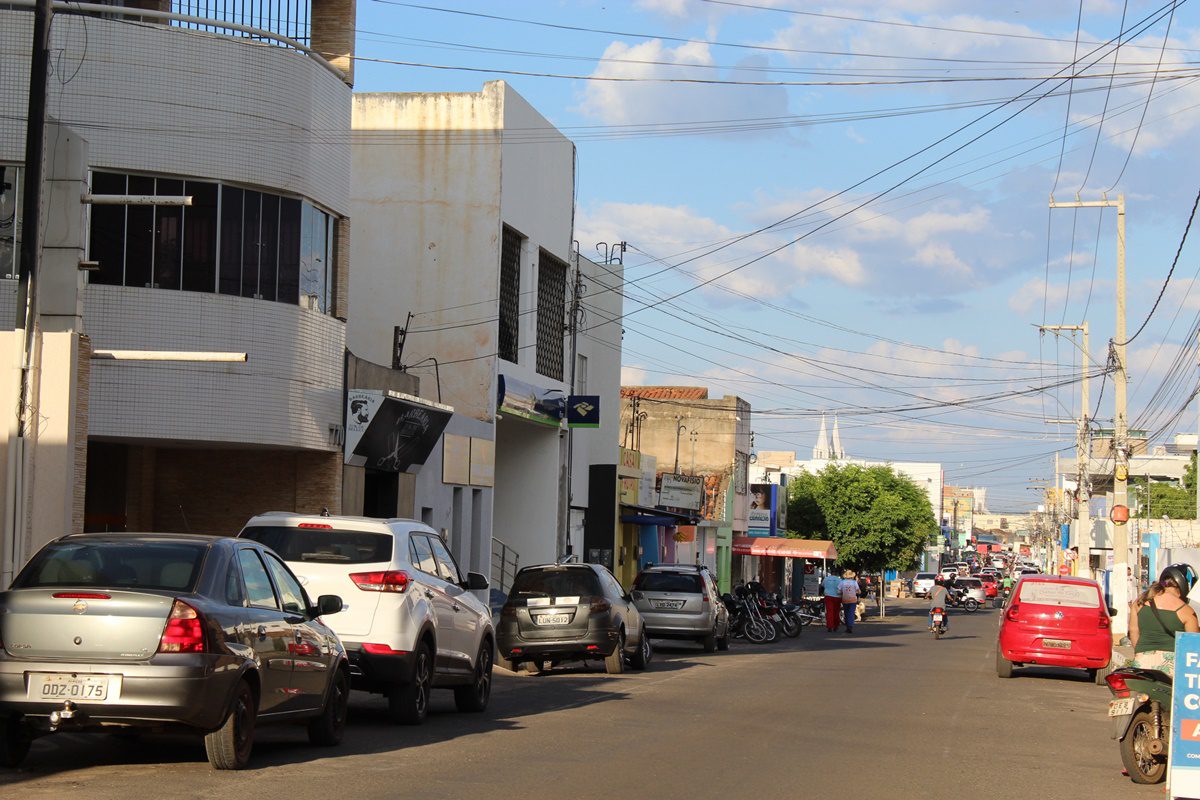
(783, 548)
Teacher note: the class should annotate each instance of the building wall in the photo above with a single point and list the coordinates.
(525, 516)
(167, 100)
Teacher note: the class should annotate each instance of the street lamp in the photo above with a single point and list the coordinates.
(679, 428)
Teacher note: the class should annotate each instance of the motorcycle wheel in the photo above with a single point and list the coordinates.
(971, 604)
(791, 626)
(754, 631)
(937, 631)
(772, 631)
(1135, 751)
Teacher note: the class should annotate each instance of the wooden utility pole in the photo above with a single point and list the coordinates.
(1083, 529)
(1120, 582)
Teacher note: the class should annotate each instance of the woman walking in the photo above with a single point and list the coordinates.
(1160, 613)
(831, 590)
(848, 589)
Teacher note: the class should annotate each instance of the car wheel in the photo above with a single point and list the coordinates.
(408, 703)
(645, 651)
(327, 729)
(723, 641)
(710, 641)
(474, 696)
(229, 746)
(1004, 667)
(615, 663)
(14, 742)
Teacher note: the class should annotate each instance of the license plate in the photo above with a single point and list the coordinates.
(937, 617)
(1057, 644)
(552, 619)
(75, 687)
(669, 604)
(1121, 707)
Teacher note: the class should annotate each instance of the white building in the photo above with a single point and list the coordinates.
(464, 214)
(251, 127)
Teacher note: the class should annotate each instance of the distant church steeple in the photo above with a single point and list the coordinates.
(821, 451)
(838, 452)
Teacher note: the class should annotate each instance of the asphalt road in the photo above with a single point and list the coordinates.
(885, 713)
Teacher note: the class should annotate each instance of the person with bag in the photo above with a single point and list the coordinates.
(1161, 612)
(831, 591)
(848, 592)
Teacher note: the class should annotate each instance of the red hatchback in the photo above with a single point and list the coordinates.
(991, 587)
(1055, 622)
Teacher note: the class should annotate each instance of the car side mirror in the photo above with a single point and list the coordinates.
(475, 582)
(328, 604)
(1112, 612)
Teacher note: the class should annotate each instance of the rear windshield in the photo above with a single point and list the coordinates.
(970, 583)
(924, 576)
(668, 582)
(321, 546)
(1049, 593)
(556, 582)
(163, 566)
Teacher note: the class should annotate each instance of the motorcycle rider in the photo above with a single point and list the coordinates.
(937, 599)
(1160, 613)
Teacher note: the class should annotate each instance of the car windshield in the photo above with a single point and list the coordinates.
(924, 576)
(668, 582)
(323, 546)
(162, 566)
(1050, 593)
(555, 582)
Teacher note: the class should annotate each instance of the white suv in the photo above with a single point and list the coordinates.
(409, 620)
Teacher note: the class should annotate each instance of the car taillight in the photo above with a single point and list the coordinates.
(382, 650)
(184, 632)
(1105, 622)
(317, 525)
(389, 581)
(1116, 682)
(1012, 612)
(81, 596)
(600, 606)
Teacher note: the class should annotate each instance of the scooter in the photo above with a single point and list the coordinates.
(1141, 715)
(958, 599)
(937, 624)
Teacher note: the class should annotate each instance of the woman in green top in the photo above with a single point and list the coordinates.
(1160, 613)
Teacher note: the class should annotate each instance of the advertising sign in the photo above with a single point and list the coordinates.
(759, 522)
(647, 491)
(583, 411)
(391, 432)
(1183, 769)
(765, 496)
(681, 491)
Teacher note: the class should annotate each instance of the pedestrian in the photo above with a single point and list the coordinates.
(848, 593)
(1161, 612)
(831, 590)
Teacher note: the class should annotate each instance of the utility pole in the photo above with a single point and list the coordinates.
(1083, 485)
(564, 500)
(1121, 576)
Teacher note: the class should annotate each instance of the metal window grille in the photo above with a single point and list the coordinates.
(290, 18)
(510, 294)
(551, 310)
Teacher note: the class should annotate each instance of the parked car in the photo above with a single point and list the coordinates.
(972, 587)
(991, 586)
(1055, 621)
(570, 612)
(129, 632)
(682, 602)
(922, 584)
(412, 623)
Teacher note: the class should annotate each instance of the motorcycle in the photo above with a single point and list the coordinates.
(790, 620)
(1141, 715)
(959, 599)
(745, 621)
(1001, 597)
(937, 624)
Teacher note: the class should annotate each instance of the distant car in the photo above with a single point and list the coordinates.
(412, 623)
(972, 587)
(1055, 621)
(991, 586)
(129, 632)
(682, 602)
(570, 612)
(922, 584)
(947, 572)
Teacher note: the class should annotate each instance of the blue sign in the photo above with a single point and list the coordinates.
(583, 411)
(1183, 771)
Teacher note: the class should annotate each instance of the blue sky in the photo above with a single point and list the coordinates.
(926, 294)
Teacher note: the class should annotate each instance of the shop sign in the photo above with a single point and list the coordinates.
(647, 491)
(391, 431)
(583, 411)
(681, 491)
(759, 522)
(1183, 769)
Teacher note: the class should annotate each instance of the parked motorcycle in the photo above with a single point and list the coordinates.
(1141, 715)
(789, 616)
(745, 620)
(937, 624)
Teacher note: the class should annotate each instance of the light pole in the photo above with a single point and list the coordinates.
(679, 428)
(693, 435)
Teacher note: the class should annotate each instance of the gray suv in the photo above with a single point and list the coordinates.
(681, 601)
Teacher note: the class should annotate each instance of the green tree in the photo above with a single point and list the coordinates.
(1177, 502)
(876, 518)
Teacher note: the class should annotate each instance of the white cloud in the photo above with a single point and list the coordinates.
(633, 376)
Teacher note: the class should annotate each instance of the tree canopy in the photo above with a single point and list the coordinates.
(1168, 498)
(876, 518)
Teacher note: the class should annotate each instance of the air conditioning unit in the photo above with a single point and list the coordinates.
(310, 301)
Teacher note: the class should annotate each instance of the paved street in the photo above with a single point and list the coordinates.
(887, 712)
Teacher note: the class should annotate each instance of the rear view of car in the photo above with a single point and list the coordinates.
(1051, 621)
(682, 603)
(973, 588)
(922, 584)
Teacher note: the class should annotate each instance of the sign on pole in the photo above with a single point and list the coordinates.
(1183, 768)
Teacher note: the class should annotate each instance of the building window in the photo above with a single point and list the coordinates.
(551, 308)
(581, 374)
(229, 240)
(10, 221)
(510, 294)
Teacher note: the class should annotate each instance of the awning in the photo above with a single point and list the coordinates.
(392, 431)
(783, 548)
(645, 515)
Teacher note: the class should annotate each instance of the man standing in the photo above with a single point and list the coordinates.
(848, 591)
(831, 589)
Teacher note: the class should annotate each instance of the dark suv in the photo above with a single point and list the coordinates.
(570, 612)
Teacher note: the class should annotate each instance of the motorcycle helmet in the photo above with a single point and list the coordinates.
(1183, 575)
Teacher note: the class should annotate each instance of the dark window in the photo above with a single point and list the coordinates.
(139, 235)
(231, 239)
(200, 238)
(268, 265)
(289, 249)
(107, 238)
(551, 308)
(10, 220)
(137, 565)
(258, 585)
(289, 589)
(323, 546)
(556, 582)
(668, 582)
(422, 555)
(447, 566)
(235, 592)
(168, 235)
(510, 294)
(251, 242)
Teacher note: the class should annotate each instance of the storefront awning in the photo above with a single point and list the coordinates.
(644, 515)
(391, 431)
(783, 548)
